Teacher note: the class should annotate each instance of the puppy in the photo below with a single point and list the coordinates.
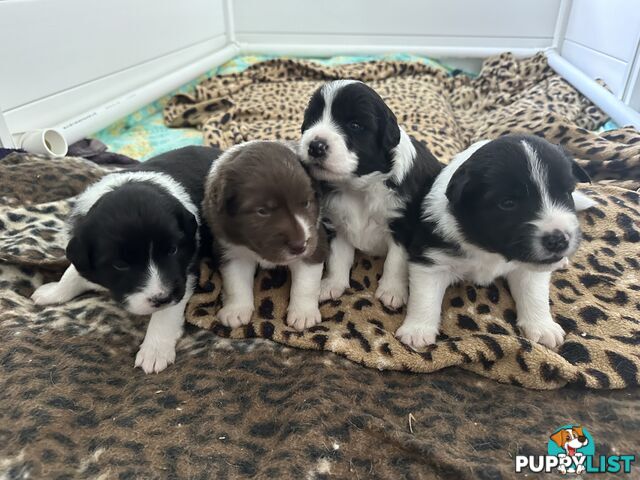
(372, 174)
(263, 210)
(136, 233)
(500, 208)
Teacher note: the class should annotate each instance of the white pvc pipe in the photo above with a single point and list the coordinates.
(104, 115)
(229, 21)
(48, 141)
(328, 50)
(620, 113)
(560, 29)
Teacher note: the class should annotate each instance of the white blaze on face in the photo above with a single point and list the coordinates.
(552, 216)
(306, 228)
(141, 302)
(339, 162)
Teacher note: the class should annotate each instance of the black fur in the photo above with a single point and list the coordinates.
(111, 244)
(371, 132)
(494, 200)
(369, 127)
(413, 188)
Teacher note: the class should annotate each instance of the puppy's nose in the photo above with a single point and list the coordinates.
(297, 247)
(160, 300)
(318, 148)
(555, 242)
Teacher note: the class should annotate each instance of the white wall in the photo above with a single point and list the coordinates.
(602, 39)
(372, 26)
(65, 56)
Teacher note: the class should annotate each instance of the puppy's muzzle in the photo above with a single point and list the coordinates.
(318, 149)
(160, 301)
(555, 242)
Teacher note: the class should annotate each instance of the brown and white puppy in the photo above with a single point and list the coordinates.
(263, 209)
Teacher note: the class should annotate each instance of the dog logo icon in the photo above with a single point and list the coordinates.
(572, 451)
(573, 441)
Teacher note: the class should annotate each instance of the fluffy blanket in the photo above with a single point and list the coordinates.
(595, 300)
(72, 406)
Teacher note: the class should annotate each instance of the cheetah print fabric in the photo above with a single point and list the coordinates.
(596, 300)
(72, 406)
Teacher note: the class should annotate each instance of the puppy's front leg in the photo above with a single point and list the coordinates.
(392, 288)
(71, 285)
(530, 290)
(237, 285)
(426, 290)
(339, 267)
(303, 309)
(158, 349)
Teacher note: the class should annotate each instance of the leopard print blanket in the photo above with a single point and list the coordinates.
(595, 300)
(72, 406)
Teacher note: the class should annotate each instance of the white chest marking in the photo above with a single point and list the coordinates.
(362, 215)
(478, 267)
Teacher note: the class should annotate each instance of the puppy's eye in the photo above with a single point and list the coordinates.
(173, 250)
(508, 204)
(263, 212)
(120, 266)
(306, 204)
(355, 126)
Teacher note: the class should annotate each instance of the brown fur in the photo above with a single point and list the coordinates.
(253, 199)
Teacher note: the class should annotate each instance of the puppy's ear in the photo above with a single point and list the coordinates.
(187, 222)
(579, 172)
(230, 200)
(223, 195)
(79, 254)
(457, 185)
(389, 129)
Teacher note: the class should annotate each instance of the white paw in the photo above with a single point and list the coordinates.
(580, 469)
(301, 315)
(546, 332)
(392, 294)
(417, 334)
(332, 288)
(235, 314)
(154, 356)
(48, 294)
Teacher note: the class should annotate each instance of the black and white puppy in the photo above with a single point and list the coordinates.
(136, 233)
(372, 174)
(505, 207)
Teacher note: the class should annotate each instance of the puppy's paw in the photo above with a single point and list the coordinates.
(155, 355)
(417, 334)
(392, 294)
(235, 314)
(332, 288)
(546, 332)
(303, 315)
(48, 294)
